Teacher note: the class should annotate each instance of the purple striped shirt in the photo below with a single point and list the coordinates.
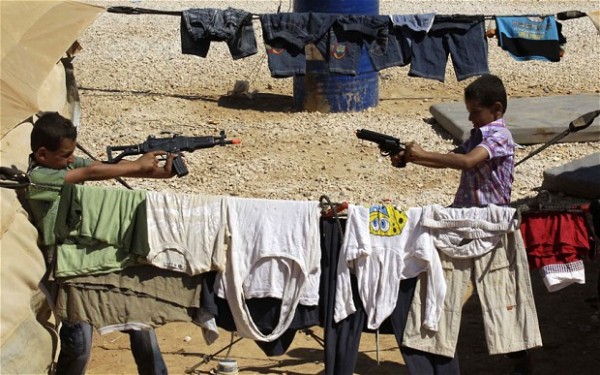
(489, 182)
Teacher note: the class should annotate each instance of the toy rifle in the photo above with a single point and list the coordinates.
(175, 144)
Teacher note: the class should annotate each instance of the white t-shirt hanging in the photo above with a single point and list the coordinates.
(275, 249)
(384, 245)
(186, 232)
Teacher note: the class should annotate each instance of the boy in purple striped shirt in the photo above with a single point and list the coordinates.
(487, 163)
(486, 159)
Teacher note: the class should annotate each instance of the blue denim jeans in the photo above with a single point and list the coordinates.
(463, 39)
(285, 36)
(403, 29)
(76, 345)
(201, 26)
(348, 36)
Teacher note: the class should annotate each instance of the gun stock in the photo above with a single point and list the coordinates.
(125, 151)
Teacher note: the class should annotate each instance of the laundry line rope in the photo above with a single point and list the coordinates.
(561, 16)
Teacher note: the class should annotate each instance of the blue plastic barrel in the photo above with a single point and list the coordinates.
(322, 91)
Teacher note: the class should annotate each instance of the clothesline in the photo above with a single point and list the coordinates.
(543, 39)
(562, 16)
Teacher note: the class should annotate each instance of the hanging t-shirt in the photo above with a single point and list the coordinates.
(529, 38)
(556, 243)
(385, 245)
(186, 232)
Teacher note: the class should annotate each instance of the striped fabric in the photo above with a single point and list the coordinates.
(489, 182)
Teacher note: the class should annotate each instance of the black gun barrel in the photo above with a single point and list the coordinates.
(175, 144)
(388, 145)
(386, 142)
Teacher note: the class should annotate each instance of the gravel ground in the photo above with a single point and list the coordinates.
(135, 82)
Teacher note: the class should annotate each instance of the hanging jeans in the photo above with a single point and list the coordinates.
(76, 346)
(201, 26)
(285, 36)
(464, 40)
(402, 31)
(342, 339)
(351, 34)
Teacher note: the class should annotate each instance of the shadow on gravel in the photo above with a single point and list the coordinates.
(364, 364)
(569, 323)
(108, 92)
(258, 102)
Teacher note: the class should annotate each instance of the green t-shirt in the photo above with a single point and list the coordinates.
(44, 194)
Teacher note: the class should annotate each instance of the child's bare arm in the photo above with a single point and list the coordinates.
(146, 166)
(417, 155)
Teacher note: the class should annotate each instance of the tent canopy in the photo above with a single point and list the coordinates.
(35, 35)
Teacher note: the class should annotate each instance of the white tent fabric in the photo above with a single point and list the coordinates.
(35, 35)
(595, 17)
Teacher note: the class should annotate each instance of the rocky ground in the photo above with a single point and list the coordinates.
(134, 82)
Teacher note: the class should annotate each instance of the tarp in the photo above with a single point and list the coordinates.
(35, 35)
(595, 17)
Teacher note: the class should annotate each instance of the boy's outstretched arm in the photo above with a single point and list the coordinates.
(146, 166)
(417, 155)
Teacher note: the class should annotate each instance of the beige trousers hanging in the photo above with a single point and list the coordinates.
(502, 281)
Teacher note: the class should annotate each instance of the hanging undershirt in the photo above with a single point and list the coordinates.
(384, 246)
(186, 232)
(278, 236)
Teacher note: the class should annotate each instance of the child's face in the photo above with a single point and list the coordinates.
(60, 158)
(480, 115)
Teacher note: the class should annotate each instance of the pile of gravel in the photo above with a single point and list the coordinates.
(135, 82)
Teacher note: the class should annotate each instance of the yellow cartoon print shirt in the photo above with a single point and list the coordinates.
(386, 220)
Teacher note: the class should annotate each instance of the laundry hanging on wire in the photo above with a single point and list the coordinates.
(425, 41)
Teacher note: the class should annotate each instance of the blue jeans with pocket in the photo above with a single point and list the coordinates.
(76, 346)
(462, 39)
(285, 36)
(350, 34)
(403, 30)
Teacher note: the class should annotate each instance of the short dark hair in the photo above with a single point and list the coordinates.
(49, 129)
(487, 90)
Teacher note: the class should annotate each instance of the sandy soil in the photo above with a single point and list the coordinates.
(134, 82)
(569, 323)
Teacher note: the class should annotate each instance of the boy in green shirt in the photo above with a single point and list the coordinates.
(52, 164)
